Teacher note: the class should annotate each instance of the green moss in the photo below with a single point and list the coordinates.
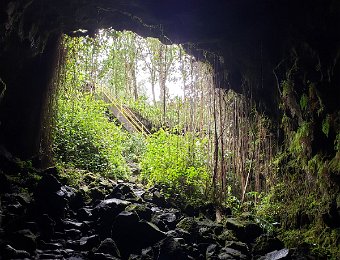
(303, 102)
(324, 242)
(301, 140)
(325, 125)
(188, 224)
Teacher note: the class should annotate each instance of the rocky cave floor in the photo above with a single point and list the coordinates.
(46, 219)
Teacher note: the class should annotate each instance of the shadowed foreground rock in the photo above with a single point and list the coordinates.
(48, 220)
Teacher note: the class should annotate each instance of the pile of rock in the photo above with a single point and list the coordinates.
(124, 222)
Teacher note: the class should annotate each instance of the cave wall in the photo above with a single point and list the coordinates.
(254, 38)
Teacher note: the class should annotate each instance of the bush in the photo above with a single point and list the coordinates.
(177, 162)
(84, 138)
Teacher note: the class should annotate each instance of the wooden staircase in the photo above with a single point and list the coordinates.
(123, 114)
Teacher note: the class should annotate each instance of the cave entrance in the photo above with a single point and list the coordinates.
(181, 131)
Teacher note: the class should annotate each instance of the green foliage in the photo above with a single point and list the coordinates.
(303, 102)
(178, 162)
(334, 164)
(325, 125)
(324, 241)
(301, 140)
(84, 138)
(134, 147)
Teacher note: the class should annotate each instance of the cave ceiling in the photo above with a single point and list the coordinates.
(245, 40)
(241, 31)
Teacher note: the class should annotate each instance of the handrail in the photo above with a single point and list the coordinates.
(140, 124)
(125, 111)
(129, 116)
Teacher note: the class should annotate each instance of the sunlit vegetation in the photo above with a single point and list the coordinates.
(208, 142)
(203, 142)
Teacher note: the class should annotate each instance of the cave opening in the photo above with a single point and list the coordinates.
(257, 178)
(182, 131)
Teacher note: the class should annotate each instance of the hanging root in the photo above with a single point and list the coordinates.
(2, 89)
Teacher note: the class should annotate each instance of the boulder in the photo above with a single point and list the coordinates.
(169, 219)
(48, 183)
(276, 255)
(23, 240)
(226, 235)
(169, 249)
(244, 231)
(97, 194)
(124, 191)
(85, 213)
(212, 251)
(103, 256)
(105, 213)
(188, 224)
(180, 233)
(108, 246)
(208, 210)
(142, 210)
(49, 198)
(230, 253)
(265, 244)
(154, 196)
(242, 247)
(88, 243)
(8, 252)
(112, 206)
(132, 235)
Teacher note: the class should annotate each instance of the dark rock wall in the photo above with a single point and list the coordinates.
(253, 37)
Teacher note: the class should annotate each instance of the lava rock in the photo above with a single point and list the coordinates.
(132, 235)
(85, 213)
(110, 206)
(48, 183)
(102, 256)
(208, 210)
(105, 213)
(159, 199)
(244, 231)
(88, 243)
(212, 251)
(169, 219)
(277, 254)
(97, 194)
(142, 210)
(191, 210)
(230, 253)
(73, 224)
(242, 247)
(169, 249)
(226, 235)
(23, 240)
(8, 252)
(123, 191)
(47, 198)
(108, 246)
(188, 224)
(46, 226)
(265, 244)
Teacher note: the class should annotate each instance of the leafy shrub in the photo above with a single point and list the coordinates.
(178, 162)
(134, 147)
(84, 138)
